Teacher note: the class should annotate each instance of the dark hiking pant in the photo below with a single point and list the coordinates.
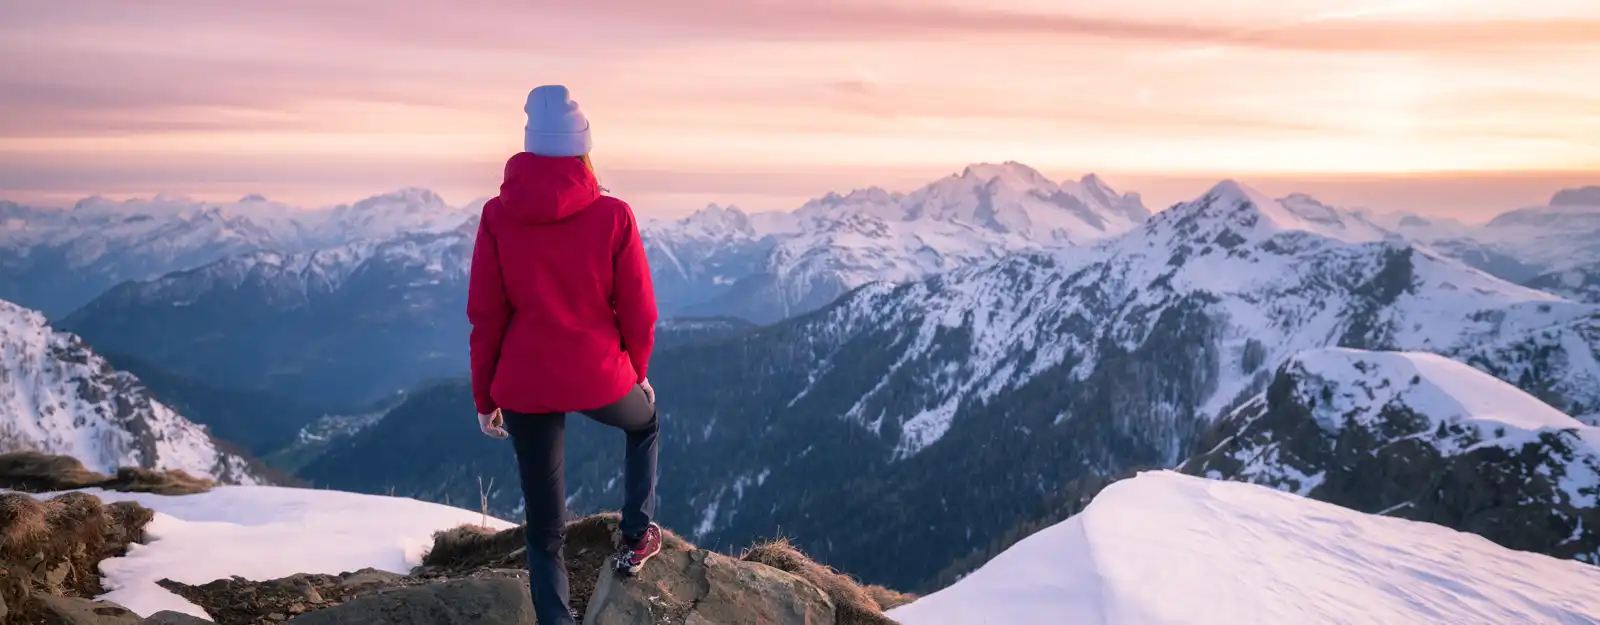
(538, 440)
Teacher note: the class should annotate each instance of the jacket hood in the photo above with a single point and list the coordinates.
(544, 189)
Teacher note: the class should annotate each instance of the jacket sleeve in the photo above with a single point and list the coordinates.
(488, 310)
(633, 296)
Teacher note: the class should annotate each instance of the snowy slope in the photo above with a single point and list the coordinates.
(261, 533)
(58, 396)
(1363, 383)
(768, 266)
(56, 260)
(1422, 437)
(1579, 283)
(1163, 548)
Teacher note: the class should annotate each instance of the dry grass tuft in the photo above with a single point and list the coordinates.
(56, 545)
(169, 482)
(854, 605)
(22, 526)
(889, 599)
(37, 472)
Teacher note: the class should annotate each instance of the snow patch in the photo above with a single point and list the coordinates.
(262, 533)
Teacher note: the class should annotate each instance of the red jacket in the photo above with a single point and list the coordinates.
(563, 313)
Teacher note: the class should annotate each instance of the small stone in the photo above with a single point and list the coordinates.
(277, 616)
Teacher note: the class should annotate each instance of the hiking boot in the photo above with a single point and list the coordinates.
(633, 555)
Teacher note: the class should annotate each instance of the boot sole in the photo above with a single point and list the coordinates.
(633, 571)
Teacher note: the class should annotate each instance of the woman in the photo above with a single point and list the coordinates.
(563, 320)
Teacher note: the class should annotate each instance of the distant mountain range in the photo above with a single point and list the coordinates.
(907, 425)
(57, 260)
(360, 321)
(1554, 247)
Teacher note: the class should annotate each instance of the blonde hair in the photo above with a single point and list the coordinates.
(586, 162)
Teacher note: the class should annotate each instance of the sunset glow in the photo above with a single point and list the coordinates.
(766, 103)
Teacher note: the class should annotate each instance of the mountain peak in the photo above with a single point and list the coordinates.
(1579, 196)
(716, 221)
(411, 196)
(1246, 209)
(1009, 170)
(253, 198)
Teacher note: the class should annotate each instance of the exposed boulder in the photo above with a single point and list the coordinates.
(485, 601)
(55, 610)
(700, 587)
(168, 617)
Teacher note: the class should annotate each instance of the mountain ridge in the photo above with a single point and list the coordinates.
(61, 397)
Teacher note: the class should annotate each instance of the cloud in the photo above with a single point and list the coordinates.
(594, 26)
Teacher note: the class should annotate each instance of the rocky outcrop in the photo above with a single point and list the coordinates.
(38, 472)
(50, 553)
(475, 575)
(701, 587)
(55, 610)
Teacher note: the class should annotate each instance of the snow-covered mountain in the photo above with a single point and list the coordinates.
(966, 399)
(347, 324)
(1421, 437)
(58, 396)
(1168, 549)
(56, 260)
(768, 266)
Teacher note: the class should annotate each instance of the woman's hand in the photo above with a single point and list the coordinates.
(649, 393)
(493, 424)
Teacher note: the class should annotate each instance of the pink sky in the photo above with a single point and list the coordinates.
(1463, 107)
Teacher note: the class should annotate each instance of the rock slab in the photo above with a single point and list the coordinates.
(699, 587)
(75, 611)
(484, 601)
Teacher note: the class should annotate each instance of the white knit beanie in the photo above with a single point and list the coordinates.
(555, 125)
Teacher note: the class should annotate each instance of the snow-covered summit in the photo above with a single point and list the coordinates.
(1231, 209)
(1163, 548)
(766, 266)
(59, 397)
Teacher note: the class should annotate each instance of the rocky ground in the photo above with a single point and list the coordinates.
(474, 575)
(50, 550)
